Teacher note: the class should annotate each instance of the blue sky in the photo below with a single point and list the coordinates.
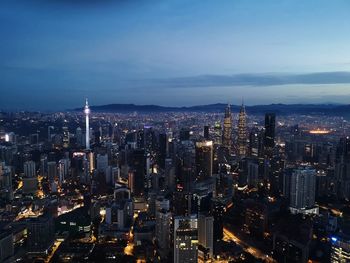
(179, 52)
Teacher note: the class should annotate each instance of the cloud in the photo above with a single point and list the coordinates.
(269, 79)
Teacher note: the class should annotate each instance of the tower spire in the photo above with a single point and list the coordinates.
(87, 126)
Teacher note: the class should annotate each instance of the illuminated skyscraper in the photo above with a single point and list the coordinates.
(87, 130)
(227, 135)
(185, 239)
(204, 159)
(65, 136)
(242, 132)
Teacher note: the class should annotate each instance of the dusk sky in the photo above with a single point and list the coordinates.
(54, 53)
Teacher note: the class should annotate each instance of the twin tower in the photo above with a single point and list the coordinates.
(242, 131)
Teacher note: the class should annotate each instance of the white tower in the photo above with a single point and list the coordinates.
(87, 132)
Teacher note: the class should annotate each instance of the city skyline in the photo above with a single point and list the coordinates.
(174, 131)
(173, 53)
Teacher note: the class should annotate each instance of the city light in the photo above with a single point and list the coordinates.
(175, 131)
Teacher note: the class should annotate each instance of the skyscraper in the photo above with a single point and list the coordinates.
(65, 136)
(101, 162)
(138, 165)
(49, 134)
(6, 191)
(29, 169)
(63, 169)
(204, 159)
(206, 132)
(227, 134)
(242, 132)
(270, 123)
(163, 223)
(206, 232)
(302, 183)
(87, 127)
(30, 179)
(218, 210)
(52, 171)
(79, 136)
(185, 239)
(40, 234)
(342, 167)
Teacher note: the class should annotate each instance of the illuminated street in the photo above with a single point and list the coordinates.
(228, 235)
(54, 248)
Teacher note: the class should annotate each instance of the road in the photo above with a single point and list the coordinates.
(53, 251)
(229, 235)
(334, 210)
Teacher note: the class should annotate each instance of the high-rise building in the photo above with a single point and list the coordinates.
(6, 191)
(185, 239)
(204, 159)
(269, 145)
(206, 232)
(138, 165)
(302, 183)
(6, 245)
(342, 167)
(149, 139)
(40, 234)
(184, 134)
(29, 169)
(218, 209)
(43, 165)
(49, 134)
(206, 132)
(66, 138)
(51, 171)
(242, 133)
(63, 170)
(217, 135)
(30, 181)
(256, 143)
(101, 162)
(79, 136)
(227, 133)
(270, 126)
(87, 126)
(163, 149)
(252, 172)
(163, 223)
